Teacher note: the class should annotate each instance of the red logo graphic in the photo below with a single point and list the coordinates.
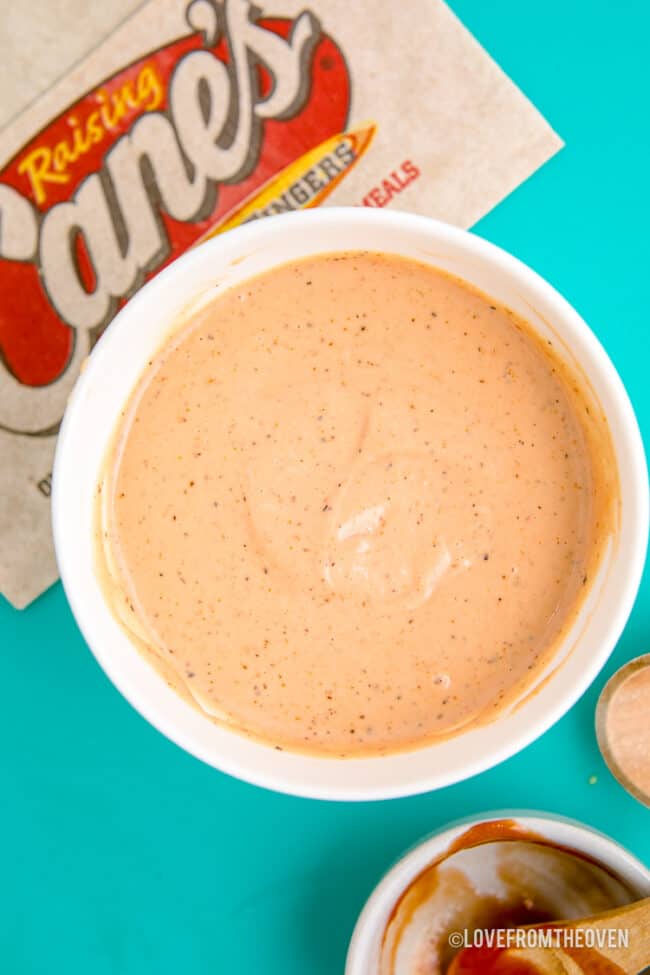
(141, 168)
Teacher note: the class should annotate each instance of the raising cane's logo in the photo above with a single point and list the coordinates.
(243, 117)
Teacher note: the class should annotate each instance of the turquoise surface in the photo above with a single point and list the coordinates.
(120, 853)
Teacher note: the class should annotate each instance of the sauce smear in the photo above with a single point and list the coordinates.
(495, 961)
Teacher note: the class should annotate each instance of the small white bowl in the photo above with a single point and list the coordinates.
(365, 945)
(115, 366)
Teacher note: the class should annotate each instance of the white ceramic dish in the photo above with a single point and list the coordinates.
(364, 952)
(112, 371)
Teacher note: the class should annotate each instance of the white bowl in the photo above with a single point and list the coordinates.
(365, 946)
(113, 369)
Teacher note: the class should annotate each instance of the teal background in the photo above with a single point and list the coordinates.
(120, 853)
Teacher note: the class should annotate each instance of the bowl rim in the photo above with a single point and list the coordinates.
(615, 682)
(263, 232)
(374, 914)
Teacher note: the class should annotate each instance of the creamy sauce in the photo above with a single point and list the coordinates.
(628, 730)
(495, 876)
(354, 505)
